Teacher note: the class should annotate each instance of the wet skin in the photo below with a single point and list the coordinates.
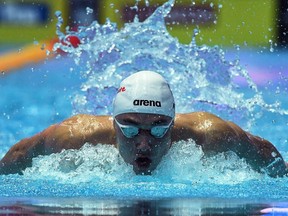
(144, 151)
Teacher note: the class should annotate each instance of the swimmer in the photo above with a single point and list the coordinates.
(143, 128)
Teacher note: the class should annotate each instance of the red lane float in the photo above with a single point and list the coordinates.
(32, 54)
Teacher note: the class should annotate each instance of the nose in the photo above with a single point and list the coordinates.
(144, 141)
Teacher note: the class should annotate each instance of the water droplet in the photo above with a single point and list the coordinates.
(89, 10)
(147, 3)
(237, 47)
(58, 13)
(43, 46)
(271, 45)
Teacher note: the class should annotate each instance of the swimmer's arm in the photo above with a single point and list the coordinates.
(51, 140)
(272, 161)
(259, 153)
(72, 133)
(20, 155)
(215, 135)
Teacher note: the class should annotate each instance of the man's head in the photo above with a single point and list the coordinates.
(143, 112)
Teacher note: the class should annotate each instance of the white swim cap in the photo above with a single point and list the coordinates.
(144, 92)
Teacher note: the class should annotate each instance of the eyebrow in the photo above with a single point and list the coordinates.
(132, 121)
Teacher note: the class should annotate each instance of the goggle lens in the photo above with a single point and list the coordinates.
(131, 131)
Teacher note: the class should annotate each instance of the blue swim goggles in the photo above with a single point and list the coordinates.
(131, 131)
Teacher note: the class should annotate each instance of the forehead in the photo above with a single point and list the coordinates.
(143, 117)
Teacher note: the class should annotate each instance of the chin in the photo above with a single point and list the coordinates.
(142, 171)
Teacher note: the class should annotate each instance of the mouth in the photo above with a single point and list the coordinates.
(143, 162)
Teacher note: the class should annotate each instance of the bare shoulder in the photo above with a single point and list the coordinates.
(84, 123)
(197, 117)
(208, 130)
(197, 122)
(75, 131)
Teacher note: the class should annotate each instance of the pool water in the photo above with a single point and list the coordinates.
(93, 206)
(247, 86)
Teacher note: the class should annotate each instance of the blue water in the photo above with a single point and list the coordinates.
(247, 86)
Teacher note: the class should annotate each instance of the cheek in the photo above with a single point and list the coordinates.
(126, 149)
(162, 147)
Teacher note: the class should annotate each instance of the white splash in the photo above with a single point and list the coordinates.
(184, 163)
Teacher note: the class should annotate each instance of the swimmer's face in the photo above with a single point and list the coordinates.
(139, 147)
